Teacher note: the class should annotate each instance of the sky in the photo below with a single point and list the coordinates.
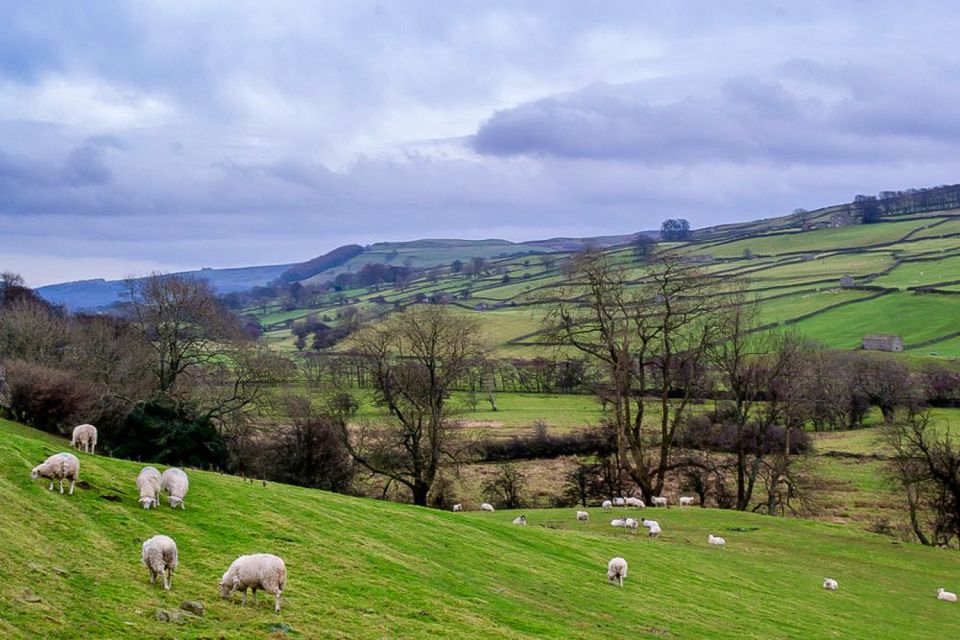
(139, 136)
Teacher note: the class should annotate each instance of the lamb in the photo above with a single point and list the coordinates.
(650, 523)
(619, 502)
(257, 571)
(159, 555)
(458, 507)
(583, 516)
(486, 506)
(654, 531)
(174, 481)
(618, 522)
(630, 523)
(830, 584)
(686, 501)
(85, 436)
(635, 502)
(712, 539)
(606, 505)
(658, 501)
(617, 570)
(59, 466)
(520, 520)
(148, 483)
(946, 595)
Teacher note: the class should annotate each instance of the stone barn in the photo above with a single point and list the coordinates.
(882, 342)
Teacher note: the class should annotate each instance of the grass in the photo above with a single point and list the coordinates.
(910, 274)
(368, 569)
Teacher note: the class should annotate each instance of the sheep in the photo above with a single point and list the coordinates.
(946, 595)
(654, 531)
(635, 502)
(631, 524)
(650, 523)
(617, 570)
(830, 584)
(58, 467)
(712, 539)
(174, 481)
(686, 501)
(257, 571)
(486, 506)
(583, 516)
(148, 483)
(619, 502)
(658, 501)
(520, 520)
(159, 555)
(458, 507)
(606, 505)
(618, 522)
(85, 437)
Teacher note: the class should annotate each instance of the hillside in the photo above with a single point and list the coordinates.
(367, 569)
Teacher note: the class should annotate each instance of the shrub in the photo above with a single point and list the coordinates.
(506, 489)
(544, 445)
(168, 432)
(46, 398)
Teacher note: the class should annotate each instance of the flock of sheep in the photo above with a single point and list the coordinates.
(262, 571)
(159, 554)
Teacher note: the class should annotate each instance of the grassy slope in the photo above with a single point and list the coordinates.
(361, 568)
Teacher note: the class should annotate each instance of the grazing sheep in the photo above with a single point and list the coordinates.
(606, 505)
(520, 520)
(946, 595)
(257, 571)
(583, 516)
(830, 584)
(658, 501)
(159, 555)
(686, 501)
(486, 506)
(148, 484)
(712, 539)
(618, 522)
(654, 531)
(458, 507)
(635, 502)
(630, 523)
(617, 570)
(85, 437)
(619, 502)
(58, 467)
(174, 481)
(650, 523)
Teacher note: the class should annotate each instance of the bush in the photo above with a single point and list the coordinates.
(705, 433)
(168, 432)
(46, 398)
(544, 445)
(506, 489)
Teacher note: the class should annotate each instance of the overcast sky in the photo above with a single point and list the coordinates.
(169, 135)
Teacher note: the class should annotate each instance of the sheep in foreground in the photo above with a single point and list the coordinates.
(619, 502)
(635, 502)
(59, 466)
(84, 437)
(618, 522)
(486, 506)
(257, 571)
(712, 539)
(658, 501)
(686, 501)
(650, 523)
(458, 507)
(654, 531)
(631, 523)
(606, 505)
(148, 484)
(159, 555)
(520, 520)
(830, 584)
(617, 570)
(174, 481)
(946, 595)
(583, 516)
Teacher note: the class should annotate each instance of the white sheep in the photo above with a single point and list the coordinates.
(148, 484)
(257, 571)
(520, 520)
(159, 555)
(583, 516)
(606, 505)
(486, 506)
(686, 501)
(650, 523)
(617, 570)
(630, 523)
(59, 466)
(830, 584)
(458, 507)
(654, 530)
(712, 539)
(618, 522)
(174, 481)
(619, 502)
(658, 501)
(635, 502)
(946, 595)
(85, 437)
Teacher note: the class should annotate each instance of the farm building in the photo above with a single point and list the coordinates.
(882, 342)
(841, 219)
(846, 281)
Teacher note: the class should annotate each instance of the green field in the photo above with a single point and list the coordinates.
(368, 569)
